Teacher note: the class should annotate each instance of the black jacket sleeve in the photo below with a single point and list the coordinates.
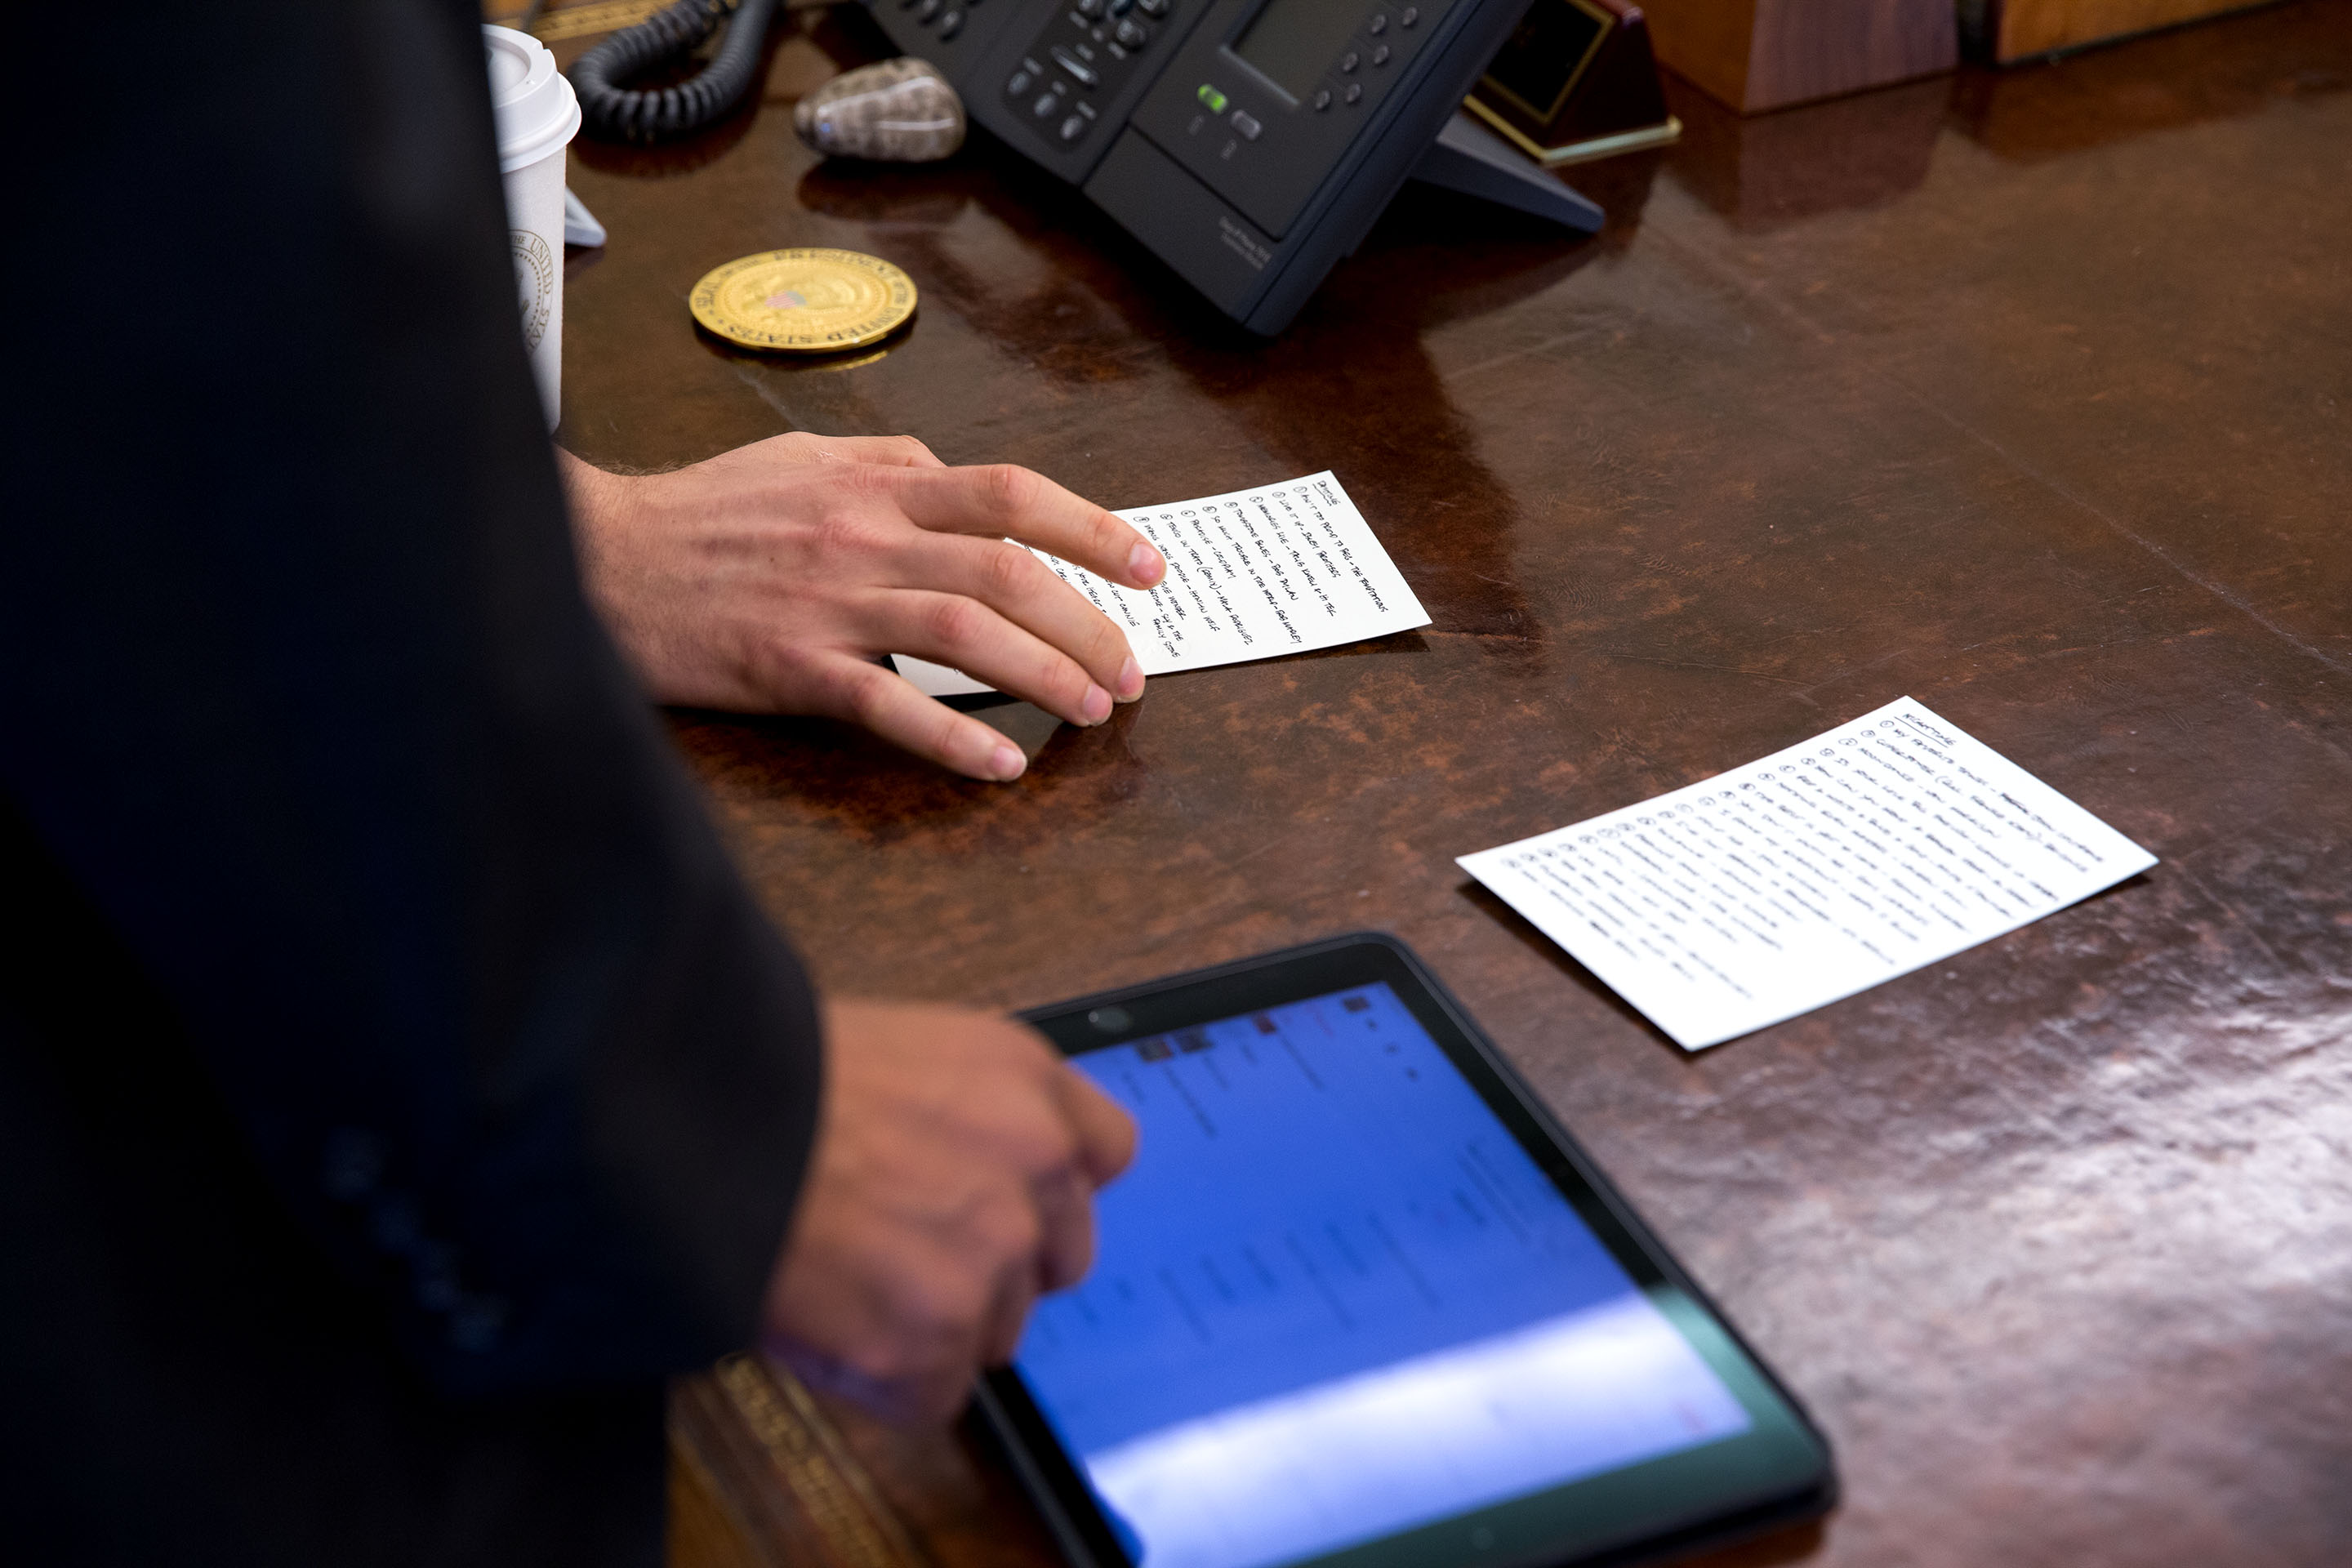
(304, 699)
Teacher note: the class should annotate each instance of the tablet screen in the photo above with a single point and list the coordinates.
(1335, 1299)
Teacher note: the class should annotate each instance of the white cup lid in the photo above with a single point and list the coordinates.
(536, 108)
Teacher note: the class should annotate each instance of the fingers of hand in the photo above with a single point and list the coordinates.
(1066, 1215)
(891, 1305)
(887, 527)
(965, 1302)
(1005, 501)
(878, 698)
(1074, 643)
(951, 1185)
(1076, 1139)
(1018, 1283)
(1105, 1134)
(1036, 1229)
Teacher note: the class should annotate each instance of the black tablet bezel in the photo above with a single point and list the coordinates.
(1780, 1471)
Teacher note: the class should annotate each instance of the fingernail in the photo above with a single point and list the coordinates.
(1145, 565)
(1095, 704)
(1007, 763)
(1131, 681)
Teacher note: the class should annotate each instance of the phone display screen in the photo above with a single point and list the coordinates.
(1335, 1299)
(1292, 42)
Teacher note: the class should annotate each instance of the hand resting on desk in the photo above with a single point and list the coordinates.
(768, 578)
(952, 1183)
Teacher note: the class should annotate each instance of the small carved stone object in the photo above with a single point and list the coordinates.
(900, 111)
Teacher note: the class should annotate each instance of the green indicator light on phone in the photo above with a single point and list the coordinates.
(1213, 98)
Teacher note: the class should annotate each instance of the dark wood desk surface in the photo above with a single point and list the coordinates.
(2027, 394)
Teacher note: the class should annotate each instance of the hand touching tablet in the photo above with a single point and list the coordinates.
(952, 1183)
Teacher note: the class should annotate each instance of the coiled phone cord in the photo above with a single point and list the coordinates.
(614, 112)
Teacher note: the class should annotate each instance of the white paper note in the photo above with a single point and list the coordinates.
(1270, 570)
(1884, 844)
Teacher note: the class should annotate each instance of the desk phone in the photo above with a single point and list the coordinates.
(1249, 144)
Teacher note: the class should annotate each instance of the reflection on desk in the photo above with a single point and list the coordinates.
(2034, 418)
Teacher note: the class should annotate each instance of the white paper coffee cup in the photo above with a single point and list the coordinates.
(537, 115)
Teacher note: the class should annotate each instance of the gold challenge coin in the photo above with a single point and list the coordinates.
(807, 301)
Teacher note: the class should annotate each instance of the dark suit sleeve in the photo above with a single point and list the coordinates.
(304, 698)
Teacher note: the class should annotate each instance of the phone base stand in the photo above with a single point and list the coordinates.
(1469, 158)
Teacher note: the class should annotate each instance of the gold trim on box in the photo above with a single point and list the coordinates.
(1590, 49)
(1584, 151)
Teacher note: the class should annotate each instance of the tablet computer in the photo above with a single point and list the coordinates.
(1361, 1301)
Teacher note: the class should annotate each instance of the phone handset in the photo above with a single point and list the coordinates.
(616, 112)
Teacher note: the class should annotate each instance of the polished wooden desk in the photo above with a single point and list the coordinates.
(2028, 395)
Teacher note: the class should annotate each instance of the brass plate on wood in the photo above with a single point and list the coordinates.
(555, 23)
(761, 1478)
(805, 301)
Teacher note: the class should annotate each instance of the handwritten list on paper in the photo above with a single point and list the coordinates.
(1274, 569)
(1885, 845)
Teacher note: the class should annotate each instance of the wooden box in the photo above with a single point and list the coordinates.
(2021, 29)
(1756, 55)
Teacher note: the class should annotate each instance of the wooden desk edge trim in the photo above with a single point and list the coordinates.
(754, 1457)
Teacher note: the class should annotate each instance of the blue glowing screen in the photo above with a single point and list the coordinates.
(1335, 1299)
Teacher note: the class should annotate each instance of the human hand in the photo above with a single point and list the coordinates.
(951, 1182)
(767, 579)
